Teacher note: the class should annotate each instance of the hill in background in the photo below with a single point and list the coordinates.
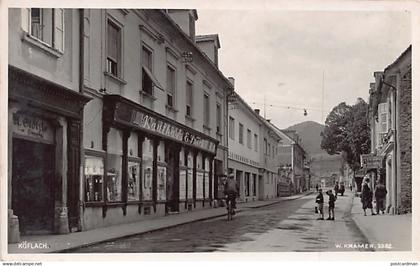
(310, 133)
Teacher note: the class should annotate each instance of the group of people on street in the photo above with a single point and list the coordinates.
(320, 204)
(367, 197)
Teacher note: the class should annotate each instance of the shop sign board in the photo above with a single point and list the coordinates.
(369, 161)
(26, 125)
(155, 124)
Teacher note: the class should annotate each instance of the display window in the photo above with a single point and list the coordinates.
(182, 175)
(133, 180)
(94, 177)
(147, 162)
(190, 175)
(133, 171)
(161, 183)
(199, 177)
(114, 184)
(114, 166)
(206, 178)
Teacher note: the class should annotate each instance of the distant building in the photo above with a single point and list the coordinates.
(326, 170)
(390, 161)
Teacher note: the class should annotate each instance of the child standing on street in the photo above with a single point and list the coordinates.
(320, 201)
(331, 205)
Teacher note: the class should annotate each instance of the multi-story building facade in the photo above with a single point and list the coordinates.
(390, 123)
(45, 120)
(159, 106)
(125, 112)
(245, 148)
(293, 169)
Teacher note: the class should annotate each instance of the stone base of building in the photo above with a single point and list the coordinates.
(13, 229)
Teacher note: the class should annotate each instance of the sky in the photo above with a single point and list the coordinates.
(282, 56)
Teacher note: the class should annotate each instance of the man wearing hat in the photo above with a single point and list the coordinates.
(231, 190)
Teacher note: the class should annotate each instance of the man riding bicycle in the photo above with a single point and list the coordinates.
(231, 191)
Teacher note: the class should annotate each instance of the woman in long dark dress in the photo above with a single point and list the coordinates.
(367, 197)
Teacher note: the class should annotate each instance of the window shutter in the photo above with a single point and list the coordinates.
(59, 29)
(25, 18)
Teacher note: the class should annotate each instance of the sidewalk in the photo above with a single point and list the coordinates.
(385, 232)
(59, 243)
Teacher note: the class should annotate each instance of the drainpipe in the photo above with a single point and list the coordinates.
(81, 90)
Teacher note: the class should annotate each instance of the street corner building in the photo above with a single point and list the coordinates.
(115, 116)
(390, 160)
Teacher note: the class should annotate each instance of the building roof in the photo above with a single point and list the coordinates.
(198, 50)
(208, 37)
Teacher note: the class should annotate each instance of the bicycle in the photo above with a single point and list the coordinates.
(230, 210)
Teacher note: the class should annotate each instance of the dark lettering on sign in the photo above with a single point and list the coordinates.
(148, 122)
(31, 126)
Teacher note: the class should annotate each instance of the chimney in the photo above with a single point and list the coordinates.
(232, 81)
(185, 18)
(210, 45)
(257, 111)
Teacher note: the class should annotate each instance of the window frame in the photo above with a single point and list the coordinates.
(255, 142)
(119, 46)
(145, 49)
(218, 118)
(26, 25)
(101, 155)
(206, 109)
(231, 128)
(249, 138)
(171, 93)
(189, 96)
(241, 133)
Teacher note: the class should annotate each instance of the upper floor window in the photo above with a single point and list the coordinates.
(113, 60)
(218, 118)
(383, 117)
(189, 98)
(231, 127)
(206, 109)
(255, 142)
(170, 86)
(269, 149)
(46, 25)
(249, 138)
(148, 80)
(265, 146)
(241, 133)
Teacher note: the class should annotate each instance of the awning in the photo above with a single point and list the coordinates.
(152, 77)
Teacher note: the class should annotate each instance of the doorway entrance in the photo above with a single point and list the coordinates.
(172, 179)
(260, 187)
(33, 186)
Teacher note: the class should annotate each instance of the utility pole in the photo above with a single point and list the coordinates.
(323, 80)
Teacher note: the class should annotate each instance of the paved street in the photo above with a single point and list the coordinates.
(285, 226)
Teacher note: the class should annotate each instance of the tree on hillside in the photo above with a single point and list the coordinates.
(347, 132)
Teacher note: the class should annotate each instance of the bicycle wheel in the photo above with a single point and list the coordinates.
(229, 210)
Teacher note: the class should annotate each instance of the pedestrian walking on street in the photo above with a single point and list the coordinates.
(351, 187)
(320, 201)
(380, 197)
(367, 197)
(316, 187)
(331, 205)
(336, 188)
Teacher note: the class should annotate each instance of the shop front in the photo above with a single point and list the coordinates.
(44, 156)
(150, 166)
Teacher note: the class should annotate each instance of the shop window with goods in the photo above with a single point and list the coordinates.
(94, 175)
(161, 172)
(133, 171)
(199, 177)
(114, 166)
(182, 175)
(147, 169)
